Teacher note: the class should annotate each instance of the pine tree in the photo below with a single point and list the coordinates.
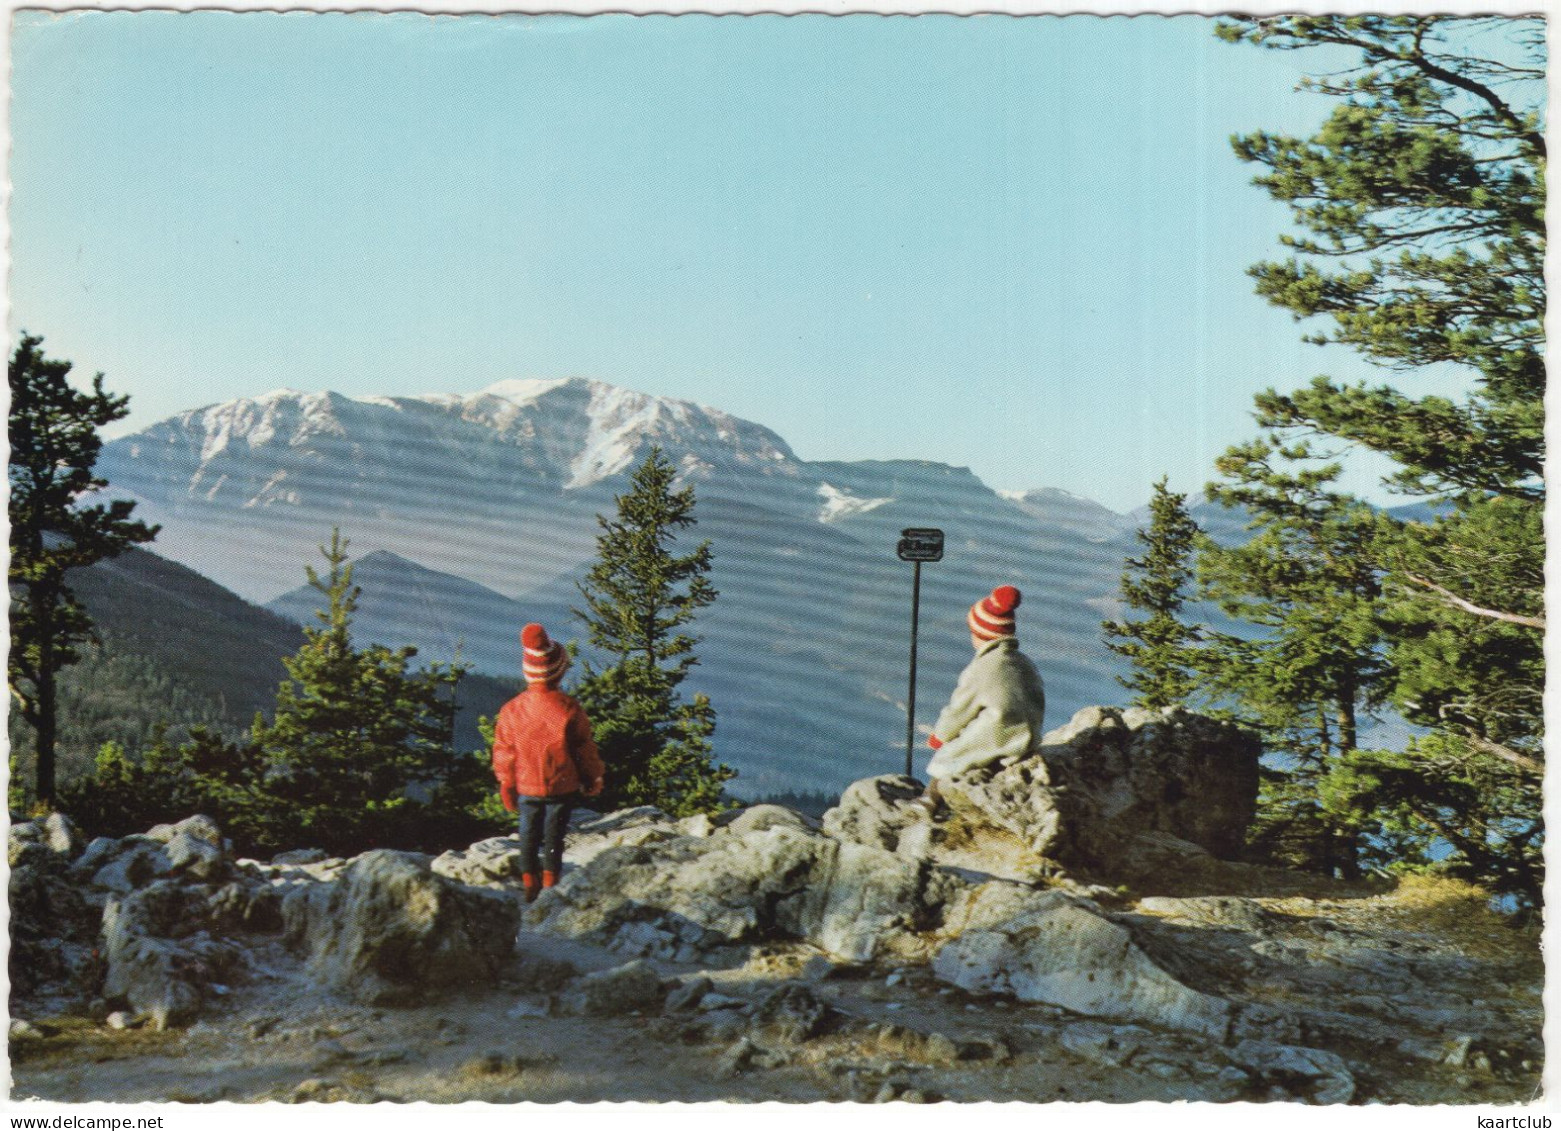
(1306, 580)
(1421, 242)
(353, 729)
(639, 596)
(1160, 647)
(53, 431)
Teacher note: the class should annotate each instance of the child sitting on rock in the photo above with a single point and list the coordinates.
(998, 705)
(544, 757)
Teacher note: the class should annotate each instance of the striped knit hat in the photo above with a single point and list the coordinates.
(993, 616)
(542, 660)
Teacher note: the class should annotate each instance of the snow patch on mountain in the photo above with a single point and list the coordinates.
(838, 504)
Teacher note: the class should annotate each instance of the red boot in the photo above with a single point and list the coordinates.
(528, 880)
(549, 879)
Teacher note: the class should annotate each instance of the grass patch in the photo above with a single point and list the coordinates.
(1460, 913)
(77, 1040)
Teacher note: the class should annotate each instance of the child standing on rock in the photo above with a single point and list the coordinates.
(544, 758)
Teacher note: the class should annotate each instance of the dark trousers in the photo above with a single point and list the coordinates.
(543, 822)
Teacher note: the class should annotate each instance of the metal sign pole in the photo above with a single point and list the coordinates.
(910, 705)
(917, 544)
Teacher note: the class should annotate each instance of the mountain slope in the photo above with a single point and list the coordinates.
(176, 649)
(446, 617)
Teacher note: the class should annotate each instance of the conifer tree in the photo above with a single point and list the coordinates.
(639, 598)
(1306, 579)
(53, 432)
(353, 729)
(1421, 242)
(1160, 647)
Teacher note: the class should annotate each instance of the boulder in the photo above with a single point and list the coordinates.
(199, 827)
(686, 996)
(685, 897)
(390, 929)
(1107, 776)
(622, 989)
(196, 857)
(1316, 1075)
(876, 811)
(625, 828)
(24, 844)
(1056, 948)
(757, 818)
(159, 956)
(60, 836)
(791, 1014)
(493, 863)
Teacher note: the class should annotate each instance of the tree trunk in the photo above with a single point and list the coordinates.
(46, 724)
(1346, 722)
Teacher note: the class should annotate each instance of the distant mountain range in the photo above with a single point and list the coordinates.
(469, 515)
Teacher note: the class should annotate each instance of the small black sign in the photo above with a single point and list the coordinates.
(921, 545)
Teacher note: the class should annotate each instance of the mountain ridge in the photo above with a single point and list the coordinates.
(501, 489)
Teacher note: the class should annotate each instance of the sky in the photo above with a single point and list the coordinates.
(1014, 245)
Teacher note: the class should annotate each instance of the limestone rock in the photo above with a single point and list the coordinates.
(683, 897)
(60, 836)
(686, 996)
(247, 907)
(1108, 775)
(196, 857)
(159, 955)
(1108, 1045)
(134, 862)
(301, 856)
(1314, 1074)
(625, 828)
(1056, 948)
(199, 827)
(1232, 912)
(494, 862)
(792, 1014)
(622, 989)
(390, 928)
(876, 811)
(757, 818)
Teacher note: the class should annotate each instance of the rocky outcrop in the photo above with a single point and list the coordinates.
(1113, 794)
(681, 896)
(1109, 775)
(52, 923)
(391, 929)
(876, 811)
(161, 956)
(628, 988)
(1059, 949)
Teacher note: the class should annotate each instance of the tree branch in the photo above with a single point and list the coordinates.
(1525, 762)
(1458, 602)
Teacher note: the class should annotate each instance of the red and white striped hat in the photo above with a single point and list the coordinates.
(993, 615)
(542, 660)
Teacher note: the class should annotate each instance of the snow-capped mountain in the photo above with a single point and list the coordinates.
(804, 654)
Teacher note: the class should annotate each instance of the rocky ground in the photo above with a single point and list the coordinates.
(762, 957)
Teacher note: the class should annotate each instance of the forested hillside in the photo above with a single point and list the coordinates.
(176, 649)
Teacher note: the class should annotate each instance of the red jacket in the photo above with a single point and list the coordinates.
(542, 745)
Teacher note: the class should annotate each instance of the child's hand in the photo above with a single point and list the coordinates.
(507, 795)
(594, 788)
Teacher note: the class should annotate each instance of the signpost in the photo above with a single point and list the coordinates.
(917, 544)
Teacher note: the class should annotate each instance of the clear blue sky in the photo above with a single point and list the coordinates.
(1017, 245)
